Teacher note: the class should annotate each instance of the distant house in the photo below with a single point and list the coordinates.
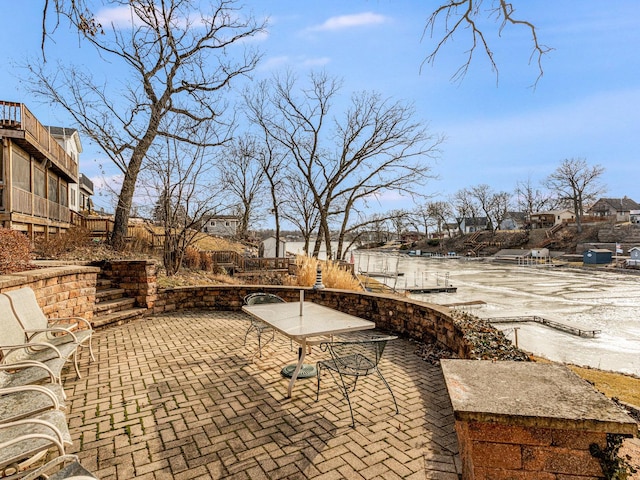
(38, 173)
(473, 224)
(85, 204)
(550, 218)
(616, 208)
(222, 225)
(634, 257)
(634, 216)
(513, 221)
(597, 256)
(268, 248)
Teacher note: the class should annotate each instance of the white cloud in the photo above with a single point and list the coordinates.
(118, 16)
(275, 63)
(316, 62)
(341, 22)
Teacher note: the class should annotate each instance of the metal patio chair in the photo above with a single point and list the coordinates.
(63, 467)
(55, 331)
(15, 349)
(351, 360)
(25, 401)
(256, 325)
(26, 441)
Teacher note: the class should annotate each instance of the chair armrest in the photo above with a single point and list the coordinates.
(56, 438)
(77, 320)
(32, 388)
(11, 348)
(23, 364)
(65, 331)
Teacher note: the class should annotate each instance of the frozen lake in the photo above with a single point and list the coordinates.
(592, 300)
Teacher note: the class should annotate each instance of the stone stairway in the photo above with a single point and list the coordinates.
(112, 306)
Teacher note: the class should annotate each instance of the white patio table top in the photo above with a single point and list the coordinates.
(303, 321)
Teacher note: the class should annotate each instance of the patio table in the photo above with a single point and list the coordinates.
(303, 321)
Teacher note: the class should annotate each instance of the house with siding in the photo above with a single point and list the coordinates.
(38, 176)
(550, 218)
(618, 209)
(221, 225)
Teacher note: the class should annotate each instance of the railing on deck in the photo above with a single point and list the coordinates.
(17, 115)
(29, 204)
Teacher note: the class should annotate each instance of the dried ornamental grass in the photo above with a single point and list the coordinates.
(332, 275)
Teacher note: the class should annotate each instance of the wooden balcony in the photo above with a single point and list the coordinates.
(27, 203)
(18, 123)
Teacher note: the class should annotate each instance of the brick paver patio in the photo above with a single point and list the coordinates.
(179, 396)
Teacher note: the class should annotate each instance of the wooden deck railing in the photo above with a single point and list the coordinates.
(17, 116)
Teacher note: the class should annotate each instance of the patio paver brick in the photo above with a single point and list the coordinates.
(178, 396)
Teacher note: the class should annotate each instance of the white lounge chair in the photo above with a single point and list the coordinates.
(64, 467)
(24, 441)
(14, 347)
(39, 328)
(25, 401)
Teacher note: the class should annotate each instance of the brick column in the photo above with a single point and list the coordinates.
(529, 421)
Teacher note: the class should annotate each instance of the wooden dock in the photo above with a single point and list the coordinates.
(579, 332)
(436, 289)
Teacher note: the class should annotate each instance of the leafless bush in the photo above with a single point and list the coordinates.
(15, 254)
(56, 245)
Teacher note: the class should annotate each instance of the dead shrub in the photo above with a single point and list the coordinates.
(15, 251)
(206, 261)
(55, 245)
(191, 258)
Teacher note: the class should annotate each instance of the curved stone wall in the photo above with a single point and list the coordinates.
(417, 320)
(62, 291)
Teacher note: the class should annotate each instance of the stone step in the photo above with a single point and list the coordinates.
(117, 318)
(106, 294)
(115, 305)
(103, 283)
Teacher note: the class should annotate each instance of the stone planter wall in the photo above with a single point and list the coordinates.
(64, 291)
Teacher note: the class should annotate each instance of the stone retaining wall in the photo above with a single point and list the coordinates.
(63, 291)
(136, 277)
(417, 320)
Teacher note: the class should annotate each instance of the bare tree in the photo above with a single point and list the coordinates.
(465, 207)
(272, 160)
(530, 199)
(398, 220)
(243, 177)
(298, 207)
(439, 213)
(576, 182)
(500, 205)
(182, 177)
(455, 16)
(179, 66)
(377, 147)
(484, 196)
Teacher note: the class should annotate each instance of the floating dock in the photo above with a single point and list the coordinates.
(579, 332)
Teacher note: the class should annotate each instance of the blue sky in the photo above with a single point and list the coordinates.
(499, 131)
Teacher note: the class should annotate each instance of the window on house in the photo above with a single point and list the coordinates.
(64, 195)
(213, 223)
(53, 189)
(72, 196)
(39, 183)
(21, 176)
(226, 224)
